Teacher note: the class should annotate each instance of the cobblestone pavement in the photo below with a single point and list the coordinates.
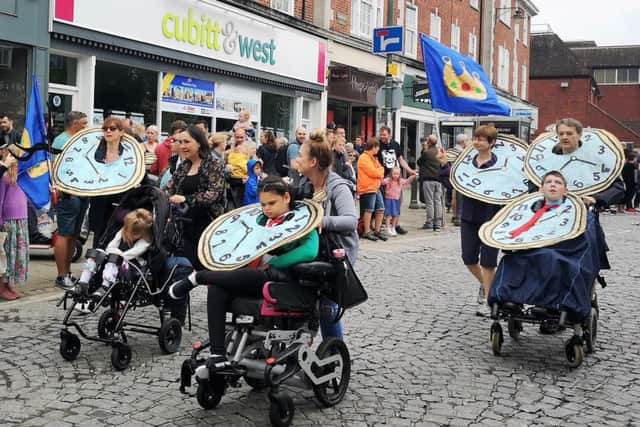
(420, 357)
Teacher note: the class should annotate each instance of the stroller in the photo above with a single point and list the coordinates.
(269, 343)
(555, 287)
(137, 286)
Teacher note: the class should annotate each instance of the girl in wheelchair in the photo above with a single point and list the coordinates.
(130, 243)
(276, 201)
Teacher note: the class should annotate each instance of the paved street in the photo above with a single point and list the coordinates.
(420, 357)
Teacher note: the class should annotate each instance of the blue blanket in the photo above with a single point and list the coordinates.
(558, 277)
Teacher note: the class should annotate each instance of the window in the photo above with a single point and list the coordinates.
(285, 6)
(5, 57)
(616, 76)
(455, 37)
(365, 15)
(516, 32)
(525, 31)
(475, 4)
(62, 70)
(473, 46)
(411, 31)
(515, 76)
(503, 68)
(523, 79)
(434, 26)
(504, 12)
(627, 75)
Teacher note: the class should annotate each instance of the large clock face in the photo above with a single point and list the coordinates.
(565, 222)
(498, 184)
(236, 238)
(590, 169)
(77, 172)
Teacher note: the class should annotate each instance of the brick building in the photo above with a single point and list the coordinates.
(599, 86)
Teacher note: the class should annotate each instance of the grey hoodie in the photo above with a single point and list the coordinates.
(340, 214)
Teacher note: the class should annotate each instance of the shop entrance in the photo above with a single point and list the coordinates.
(60, 103)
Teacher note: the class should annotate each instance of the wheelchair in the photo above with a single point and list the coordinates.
(269, 344)
(136, 287)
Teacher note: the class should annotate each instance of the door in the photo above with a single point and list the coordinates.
(59, 105)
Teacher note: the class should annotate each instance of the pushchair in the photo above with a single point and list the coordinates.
(554, 287)
(136, 286)
(269, 343)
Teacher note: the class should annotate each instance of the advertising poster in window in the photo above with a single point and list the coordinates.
(181, 94)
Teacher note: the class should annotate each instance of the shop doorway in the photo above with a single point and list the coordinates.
(60, 104)
(409, 141)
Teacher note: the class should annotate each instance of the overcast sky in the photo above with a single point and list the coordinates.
(608, 22)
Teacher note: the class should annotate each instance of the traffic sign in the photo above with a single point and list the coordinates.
(387, 39)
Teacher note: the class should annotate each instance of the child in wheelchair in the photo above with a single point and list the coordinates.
(129, 245)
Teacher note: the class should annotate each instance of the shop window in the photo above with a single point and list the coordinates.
(13, 82)
(124, 88)
(62, 70)
(285, 6)
(276, 114)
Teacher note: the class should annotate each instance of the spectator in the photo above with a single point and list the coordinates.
(150, 144)
(341, 132)
(370, 174)
(196, 188)
(127, 127)
(203, 125)
(217, 144)
(359, 145)
(244, 122)
(13, 218)
(456, 198)
(629, 177)
(8, 134)
(74, 122)
(237, 167)
(292, 153)
(268, 152)
(254, 168)
(429, 166)
(341, 163)
(331, 133)
(166, 149)
(393, 187)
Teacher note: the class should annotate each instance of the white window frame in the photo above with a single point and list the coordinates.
(504, 12)
(475, 4)
(515, 75)
(411, 33)
(503, 68)
(516, 32)
(375, 20)
(435, 23)
(455, 37)
(523, 79)
(473, 46)
(289, 8)
(525, 31)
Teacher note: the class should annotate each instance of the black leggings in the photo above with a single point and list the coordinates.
(223, 287)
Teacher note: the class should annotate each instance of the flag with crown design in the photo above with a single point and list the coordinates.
(457, 83)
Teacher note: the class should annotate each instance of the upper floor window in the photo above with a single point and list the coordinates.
(523, 79)
(504, 12)
(455, 37)
(473, 46)
(503, 68)
(411, 31)
(616, 76)
(434, 26)
(516, 82)
(285, 6)
(475, 4)
(525, 31)
(365, 16)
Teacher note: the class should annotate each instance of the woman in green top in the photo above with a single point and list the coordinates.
(276, 202)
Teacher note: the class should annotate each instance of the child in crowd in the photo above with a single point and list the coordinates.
(14, 222)
(276, 201)
(393, 188)
(130, 242)
(251, 186)
(245, 123)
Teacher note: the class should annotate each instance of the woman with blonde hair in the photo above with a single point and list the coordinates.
(13, 219)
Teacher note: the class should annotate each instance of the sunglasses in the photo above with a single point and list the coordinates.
(111, 128)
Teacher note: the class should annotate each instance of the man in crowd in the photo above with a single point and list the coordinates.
(70, 209)
(293, 152)
(202, 124)
(390, 156)
(429, 167)
(167, 148)
(341, 132)
(8, 134)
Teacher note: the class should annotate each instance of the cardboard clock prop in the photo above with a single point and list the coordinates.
(590, 169)
(564, 222)
(236, 238)
(452, 154)
(76, 170)
(498, 184)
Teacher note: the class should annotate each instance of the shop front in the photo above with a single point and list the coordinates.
(188, 60)
(24, 41)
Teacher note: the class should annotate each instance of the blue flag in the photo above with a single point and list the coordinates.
(33, 166)
(457, 83)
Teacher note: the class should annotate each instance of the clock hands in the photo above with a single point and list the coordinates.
(574, 158)
(86, 156)
(247, 230)
(587, 162)
(567, 162)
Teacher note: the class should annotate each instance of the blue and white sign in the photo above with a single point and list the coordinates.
(387, 39)
(187, 95)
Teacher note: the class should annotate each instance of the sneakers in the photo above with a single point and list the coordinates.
(100, 292)
(427, 226)
(83, 307)
(630, 211)
(400, 230)
(437, 229)
(180, 289)
(368, 235)
(392, 232)
(481, 297)
(65, 283)
(381, 236)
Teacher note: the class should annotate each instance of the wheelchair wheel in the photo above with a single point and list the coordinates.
(574, 353)
(497, 338)
(591, 330)
(514, 327)
(332, 393)
(69, 346)
(107, 324)
(281, 410)
(120, 356)
(170, 335)
(210, 392)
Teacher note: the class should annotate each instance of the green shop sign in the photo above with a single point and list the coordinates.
(416, 93)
